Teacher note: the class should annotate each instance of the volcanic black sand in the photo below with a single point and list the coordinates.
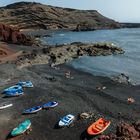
(74, 95)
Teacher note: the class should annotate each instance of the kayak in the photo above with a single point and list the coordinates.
(13, 91)
(25, 84)
(14, 94)
(32, 110)
(98, 127)
(5, 105)
(66, 120)
(21, 128)
(50, 105)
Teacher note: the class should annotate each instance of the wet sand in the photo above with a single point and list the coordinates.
(74, 96)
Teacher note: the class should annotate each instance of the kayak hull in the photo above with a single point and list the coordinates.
(13, 91)
(21, 128)
(66, 120)
(3, 106)
(98, 127)
(32, 110)
(49, 105)
(26, 84)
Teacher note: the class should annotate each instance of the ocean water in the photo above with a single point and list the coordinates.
(128, 63)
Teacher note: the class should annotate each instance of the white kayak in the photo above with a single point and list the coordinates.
(5, 105)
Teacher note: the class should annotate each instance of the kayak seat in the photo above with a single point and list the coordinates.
(99, 126)
(94, 129)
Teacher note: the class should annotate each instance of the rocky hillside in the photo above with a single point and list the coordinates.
(30, 15)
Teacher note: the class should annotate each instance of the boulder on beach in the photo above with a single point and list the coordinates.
(122, 78)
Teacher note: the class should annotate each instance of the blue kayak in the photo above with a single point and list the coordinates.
(13, 91)
(25, 84)
(50, 105)
(32, 110)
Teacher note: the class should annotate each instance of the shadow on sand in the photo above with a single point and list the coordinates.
(9, 137)
(85, 136)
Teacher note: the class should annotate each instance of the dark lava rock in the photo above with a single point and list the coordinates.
(122, 78)
(127, 130)
(107, 137)
(137, 125)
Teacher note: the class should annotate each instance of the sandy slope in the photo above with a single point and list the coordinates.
(74, 96)
(7, 53)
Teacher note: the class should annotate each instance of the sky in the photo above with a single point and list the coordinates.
(119, 10)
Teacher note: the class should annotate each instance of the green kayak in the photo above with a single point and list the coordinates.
(21, 128)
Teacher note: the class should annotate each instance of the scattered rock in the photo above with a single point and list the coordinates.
(100, 87)
(137, 125)
(86, 115)
(107, 137)
(122, 78)
(53, 79)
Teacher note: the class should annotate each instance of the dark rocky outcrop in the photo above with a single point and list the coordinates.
(30, 15)
(130, 25)
(124, 131)
(127, 130)
(63, 53)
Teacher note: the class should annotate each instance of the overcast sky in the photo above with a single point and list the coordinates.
(119, 10)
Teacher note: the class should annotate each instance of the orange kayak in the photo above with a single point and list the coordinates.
(98, 127)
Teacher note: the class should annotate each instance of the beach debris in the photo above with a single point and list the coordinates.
(86, 115)
(103, 87)
(98, 127)
(130, 100)
(21, 128)
(100, 87)
(68, 75)
(25, 84)
(54, 66)
(66, 120)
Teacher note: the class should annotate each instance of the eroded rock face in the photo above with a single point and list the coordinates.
(13, 35)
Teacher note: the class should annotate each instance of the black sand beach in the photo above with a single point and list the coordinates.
(74, 96)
